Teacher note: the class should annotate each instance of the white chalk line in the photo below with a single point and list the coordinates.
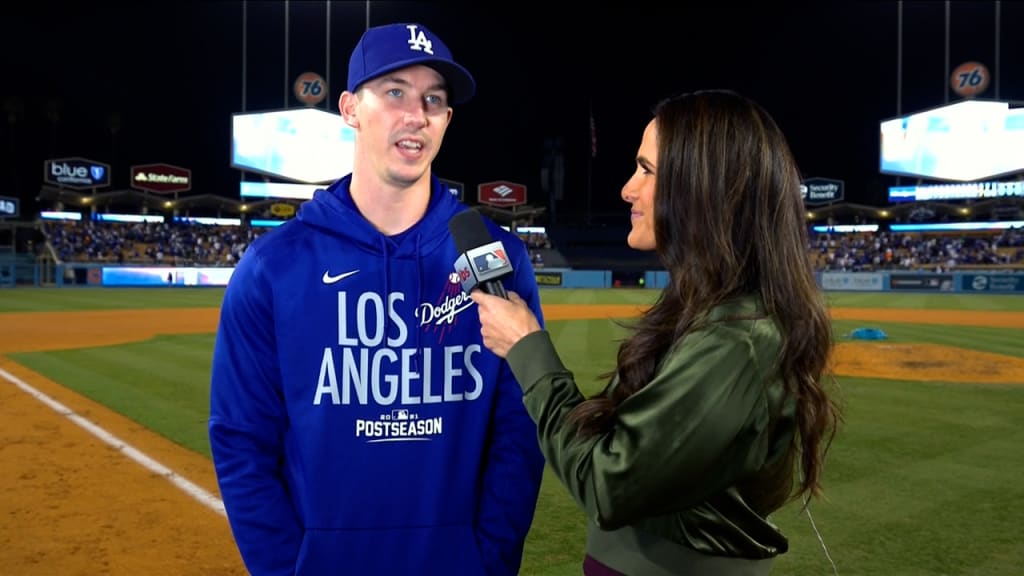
(196, 492)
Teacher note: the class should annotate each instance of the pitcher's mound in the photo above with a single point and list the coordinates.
(926, 362)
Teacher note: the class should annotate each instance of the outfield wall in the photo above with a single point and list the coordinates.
(18, 270)
(972, 281)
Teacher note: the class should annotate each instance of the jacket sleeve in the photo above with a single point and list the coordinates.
(247, 423)
(692, 431)
(514, 465)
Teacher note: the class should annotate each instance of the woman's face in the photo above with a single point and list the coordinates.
(639, 191)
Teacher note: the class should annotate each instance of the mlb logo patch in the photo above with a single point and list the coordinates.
(492, 260)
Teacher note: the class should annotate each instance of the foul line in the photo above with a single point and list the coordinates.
(202, 496)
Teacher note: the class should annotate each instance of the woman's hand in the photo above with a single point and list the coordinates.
(503, 322)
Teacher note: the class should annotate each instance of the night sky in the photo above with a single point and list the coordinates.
(169, 75)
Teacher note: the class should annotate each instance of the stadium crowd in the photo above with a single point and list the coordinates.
(169, 244)
(916, 251)
(189, 244)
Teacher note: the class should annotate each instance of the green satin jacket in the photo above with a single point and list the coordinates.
(685, 479)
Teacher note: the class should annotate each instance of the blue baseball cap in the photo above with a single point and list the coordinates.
(383, 49)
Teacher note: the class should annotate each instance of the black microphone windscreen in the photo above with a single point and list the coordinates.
(469, 231)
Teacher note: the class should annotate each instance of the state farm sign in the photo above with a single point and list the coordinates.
(161, 178)
(501, 193)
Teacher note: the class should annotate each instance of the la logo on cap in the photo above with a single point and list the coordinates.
(418, 40)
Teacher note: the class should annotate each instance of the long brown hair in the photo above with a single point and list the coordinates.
(729, 221)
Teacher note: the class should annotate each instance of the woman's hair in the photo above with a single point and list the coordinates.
(729, 220)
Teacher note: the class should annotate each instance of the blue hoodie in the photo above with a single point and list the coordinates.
(357, 423)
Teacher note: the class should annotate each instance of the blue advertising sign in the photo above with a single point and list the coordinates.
(854, 281)
(76, 172)
(457, 189)
(8, 207)
(1007, 282)
(923, 282)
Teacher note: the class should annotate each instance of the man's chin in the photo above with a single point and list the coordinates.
(407, 177)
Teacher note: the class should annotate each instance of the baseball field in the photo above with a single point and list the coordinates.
(105, 466)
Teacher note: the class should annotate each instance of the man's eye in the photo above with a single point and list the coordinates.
(395, 92)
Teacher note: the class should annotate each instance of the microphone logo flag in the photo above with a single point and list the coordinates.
(482, 264)
(491, 260)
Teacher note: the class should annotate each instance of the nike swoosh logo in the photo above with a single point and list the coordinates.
(328, 279)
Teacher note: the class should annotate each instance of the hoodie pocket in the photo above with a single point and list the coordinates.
(435, 550)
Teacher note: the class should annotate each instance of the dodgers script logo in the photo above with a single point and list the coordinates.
(418, 40)
(440, 316)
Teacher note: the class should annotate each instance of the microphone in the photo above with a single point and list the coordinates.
(482, 261)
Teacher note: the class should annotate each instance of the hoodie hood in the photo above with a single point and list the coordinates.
(333, 210)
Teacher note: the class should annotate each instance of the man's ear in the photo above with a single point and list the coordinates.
(347, 107)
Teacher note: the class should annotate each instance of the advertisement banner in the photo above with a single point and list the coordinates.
(925, 282)
(858, 281)
(9, 207)
(161, 276)
(457, 189)
(817, 191)
(282, 210)
(161, 178)
(501, 194)
(548, 278)
(310, 88)
(76, 173)
(992, 282)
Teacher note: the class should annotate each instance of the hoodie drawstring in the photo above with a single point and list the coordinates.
(419, 298)
(384, 241)
(387, 286)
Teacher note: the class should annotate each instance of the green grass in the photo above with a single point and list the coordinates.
(947, 301)
(922, 481)
(924, 478)
(60, 299)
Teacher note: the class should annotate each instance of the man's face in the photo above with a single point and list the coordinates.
(402, 117)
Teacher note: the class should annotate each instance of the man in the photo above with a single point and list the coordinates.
(357, 424)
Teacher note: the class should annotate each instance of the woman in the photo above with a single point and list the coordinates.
(715, 415)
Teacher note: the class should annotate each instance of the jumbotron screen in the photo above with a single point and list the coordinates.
(963, 142)
(305, 145)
